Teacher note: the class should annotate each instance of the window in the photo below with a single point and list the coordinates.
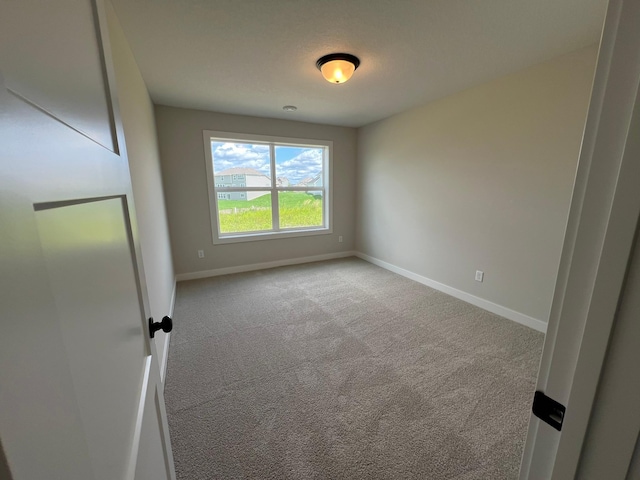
(266, 187)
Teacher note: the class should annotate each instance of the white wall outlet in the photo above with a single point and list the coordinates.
(200, 253)
(340, 239)
(479, 275)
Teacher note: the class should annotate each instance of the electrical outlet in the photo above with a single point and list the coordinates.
(479, 275)
(340, 239)
(200, 253)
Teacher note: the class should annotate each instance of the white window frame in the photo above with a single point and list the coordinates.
(273, 141)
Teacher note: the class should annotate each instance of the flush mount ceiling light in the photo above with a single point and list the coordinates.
(289, 108)
(337, 67)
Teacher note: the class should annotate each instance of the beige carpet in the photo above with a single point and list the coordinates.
(343, 370)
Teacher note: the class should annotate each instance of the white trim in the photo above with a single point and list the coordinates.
(505, 312)
(173, 298)
(167, 337)
(272, 235)
(161, 411)
(261, 266)
(218, 238)
(604, 211)
(137, 430)
(165, 357)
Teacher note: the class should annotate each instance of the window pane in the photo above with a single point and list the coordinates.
(244, 211)
(300, 209)
(298, 166)
(240, 164)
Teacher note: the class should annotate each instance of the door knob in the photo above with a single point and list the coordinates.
(165, 325)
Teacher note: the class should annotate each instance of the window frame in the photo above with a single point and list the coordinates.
(272, 141)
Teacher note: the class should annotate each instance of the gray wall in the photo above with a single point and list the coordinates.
(5, 473)
(144, 162)
(185, 187)
(634, 468)
(480, 180)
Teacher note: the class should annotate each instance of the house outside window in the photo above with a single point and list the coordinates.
(263, 187)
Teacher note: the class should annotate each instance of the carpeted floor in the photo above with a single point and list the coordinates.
(343, 370)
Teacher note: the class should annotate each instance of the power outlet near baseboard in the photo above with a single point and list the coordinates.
(479, 275)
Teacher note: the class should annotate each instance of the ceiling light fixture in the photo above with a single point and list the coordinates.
(289, 108)
(337, 67)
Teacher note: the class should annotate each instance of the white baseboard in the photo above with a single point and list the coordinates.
(505, 312)
(167, 337)
(261, 266)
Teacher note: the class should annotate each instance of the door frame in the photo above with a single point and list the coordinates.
(153, 366)
(597, 247)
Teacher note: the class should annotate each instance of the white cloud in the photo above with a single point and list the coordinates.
(306, 165)
(237, 155)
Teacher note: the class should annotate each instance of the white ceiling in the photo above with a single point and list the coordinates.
(252, 57)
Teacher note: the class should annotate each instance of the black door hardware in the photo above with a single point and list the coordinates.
(165, 325)
(548, 410)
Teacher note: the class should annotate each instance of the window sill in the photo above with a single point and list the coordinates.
(253, 237)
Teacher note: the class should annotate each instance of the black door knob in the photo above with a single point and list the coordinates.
(165, 325)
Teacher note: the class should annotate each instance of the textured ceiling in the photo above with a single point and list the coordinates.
(252, 57)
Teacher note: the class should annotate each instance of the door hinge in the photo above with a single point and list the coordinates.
(548, 410)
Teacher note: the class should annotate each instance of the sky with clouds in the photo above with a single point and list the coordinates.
(294, 163)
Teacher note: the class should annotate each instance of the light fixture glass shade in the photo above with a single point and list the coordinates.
(338, 67)
(337, 71)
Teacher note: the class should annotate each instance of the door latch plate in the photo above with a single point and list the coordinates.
(548, 410)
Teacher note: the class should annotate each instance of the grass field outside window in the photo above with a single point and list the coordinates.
(297, 209)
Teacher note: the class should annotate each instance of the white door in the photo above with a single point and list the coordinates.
(80, 394)
(596, 254)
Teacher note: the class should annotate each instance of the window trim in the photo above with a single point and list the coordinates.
(212, 191)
